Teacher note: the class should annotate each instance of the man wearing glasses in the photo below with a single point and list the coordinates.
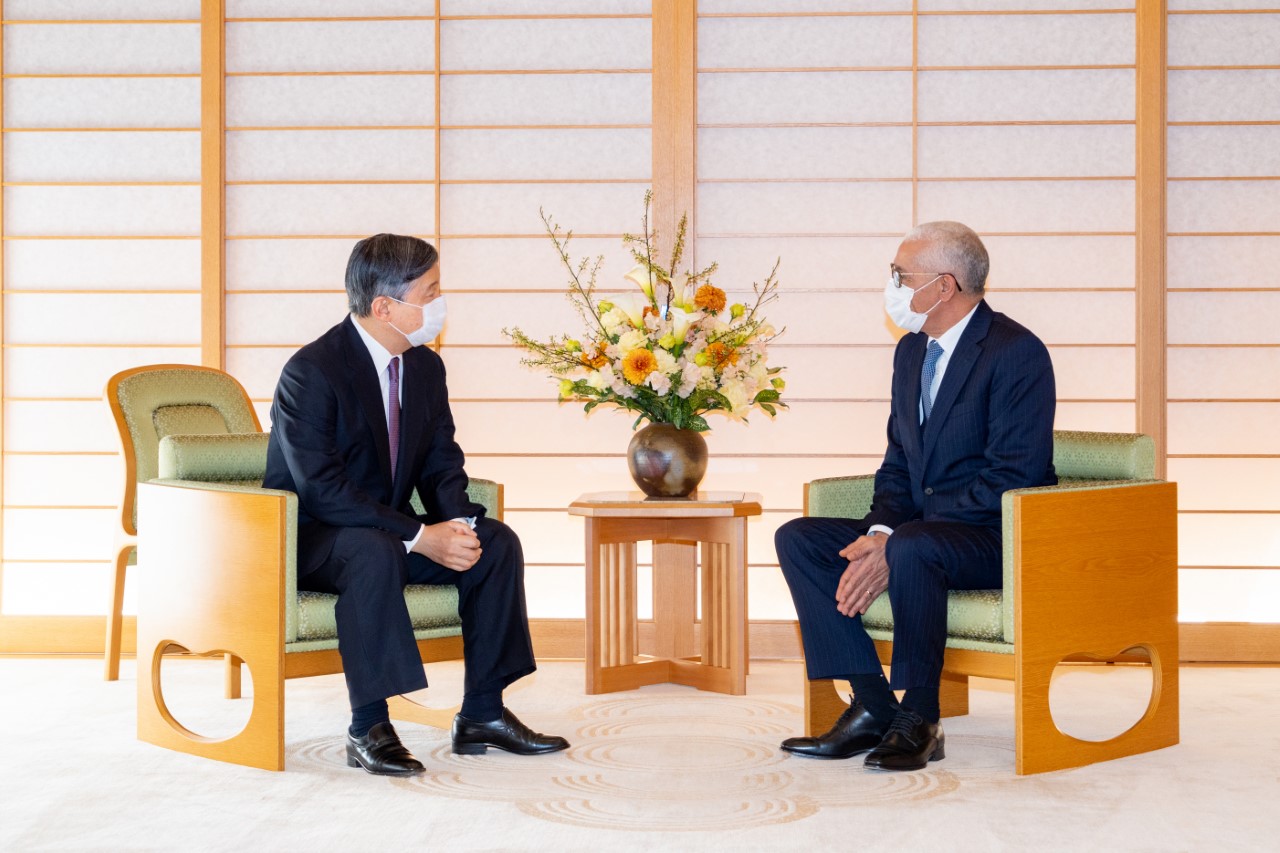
(971, 417)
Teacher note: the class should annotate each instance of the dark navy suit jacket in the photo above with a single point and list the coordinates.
(329, 444)
(990, 430)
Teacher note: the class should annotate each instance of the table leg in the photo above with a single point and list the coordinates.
(675, 589)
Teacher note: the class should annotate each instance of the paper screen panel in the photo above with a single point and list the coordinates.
(545, 99)
(331, 100)
(513, 155)
(1225, 373)
(102, 49)
(1064, 151)
(1021, 206)
(1223, 95)
(293, 46)
(1228, 595)
(42, 371)
(804, 208)
(331, 155)
(282, 264)
(1223, 39)
(282, 319)
(1050, 95)
(102, 264)
(1096, 417)
(1228, 539)
(1231, 151)
(66, 588)
(1224, 318)
(86, 103)
(1061, 262)
(1021, 5)
(324, 210)
(1223, 262)
(119, 156)
(537, 45)
(1233, 206)
(802, 42)
(59, 426)
(830, 96)
(1087, 318)
(1227, 484)
(817, 152)
(527, 264)
(29, 532)
(1002, 40)
(740, 7)
(106, 318)
(63, 481)
(505, 209)
(1215, 428)
(102, 211)
(545, 7)
(102, 10)
(811, 263)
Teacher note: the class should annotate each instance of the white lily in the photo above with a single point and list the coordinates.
(680, 320)
(631, 305)
(680, 297)
(645, 278)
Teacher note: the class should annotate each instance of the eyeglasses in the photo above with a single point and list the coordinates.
(897, 274)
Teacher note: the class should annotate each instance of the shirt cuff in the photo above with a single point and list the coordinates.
(409, 543)
(880, 528)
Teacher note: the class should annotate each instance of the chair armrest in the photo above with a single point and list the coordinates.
(218, 555)
(240, 458)
(840, 497)
(489, 494)
(1087, 558)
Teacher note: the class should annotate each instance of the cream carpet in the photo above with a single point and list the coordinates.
(661, 768)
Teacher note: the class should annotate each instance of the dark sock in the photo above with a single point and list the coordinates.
(482, 706)
(367, 716)
(924, 701)
(872, 690)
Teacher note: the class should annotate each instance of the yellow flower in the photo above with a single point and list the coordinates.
(709, 298)
(566, 387)
(637, 365)
(737, 309)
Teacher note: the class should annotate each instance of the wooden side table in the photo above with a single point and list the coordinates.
(615, 523)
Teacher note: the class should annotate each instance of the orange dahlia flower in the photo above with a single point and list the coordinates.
(637, 365)
(595, 360)
(721, 355)
(709, 298)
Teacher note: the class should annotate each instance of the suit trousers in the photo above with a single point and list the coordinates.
(926, 559)
(368, 569)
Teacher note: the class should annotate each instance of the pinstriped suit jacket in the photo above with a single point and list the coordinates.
(990, 430)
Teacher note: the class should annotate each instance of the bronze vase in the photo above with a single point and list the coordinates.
(667, 462)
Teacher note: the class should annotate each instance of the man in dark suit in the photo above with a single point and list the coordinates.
(971, 417)
(360, 419)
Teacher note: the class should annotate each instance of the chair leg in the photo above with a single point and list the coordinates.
(822, 705)
(114, 615)
(953, 694)
(232, 679)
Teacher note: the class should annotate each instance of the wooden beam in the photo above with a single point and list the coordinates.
(213, 220)
(675, 82)
(1151, 224)
(3, 285)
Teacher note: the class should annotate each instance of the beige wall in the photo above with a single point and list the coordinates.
(820, 137)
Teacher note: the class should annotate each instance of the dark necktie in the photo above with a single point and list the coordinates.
(931, 356)
(393, 413)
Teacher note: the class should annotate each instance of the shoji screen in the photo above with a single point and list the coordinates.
(101, 266)
(544, 111)
(828, 128)
(1223, 303)
(379, 117)
(331, 137)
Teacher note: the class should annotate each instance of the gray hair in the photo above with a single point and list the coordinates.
(955, 248)
(385, 265)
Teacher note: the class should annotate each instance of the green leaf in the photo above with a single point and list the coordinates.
(770, 409)
(768, 395)
(697, 423)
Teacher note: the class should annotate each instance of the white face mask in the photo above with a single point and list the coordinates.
(433, 314)
(897, 303)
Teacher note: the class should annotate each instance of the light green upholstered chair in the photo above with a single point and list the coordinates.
(219, 577)
(149, 403)
(1090, 574)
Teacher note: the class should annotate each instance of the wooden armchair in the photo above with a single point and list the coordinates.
(1090, 574)
(149, 403)
(218, 577)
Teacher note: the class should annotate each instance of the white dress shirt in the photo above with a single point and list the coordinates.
(947, 340)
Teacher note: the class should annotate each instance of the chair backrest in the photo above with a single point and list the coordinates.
(159, 400)
(1103, 456)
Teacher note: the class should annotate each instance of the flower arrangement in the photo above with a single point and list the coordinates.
(671, 351)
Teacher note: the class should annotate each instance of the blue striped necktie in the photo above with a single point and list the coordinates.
(931, 356)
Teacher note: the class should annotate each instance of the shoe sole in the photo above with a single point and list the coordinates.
(801, 754)
(482, 748)
(938, 755)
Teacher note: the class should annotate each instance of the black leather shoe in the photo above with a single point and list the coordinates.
(853, 734)
(381, 753)
(506, 733)
(910, 744)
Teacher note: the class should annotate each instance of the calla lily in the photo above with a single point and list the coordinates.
(679, 298)
(645, 278)
(630, 304)
(680, 320)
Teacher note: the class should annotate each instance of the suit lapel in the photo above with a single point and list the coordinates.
(414, 412)
(366, 387)
(909, 416)
(968, 348)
